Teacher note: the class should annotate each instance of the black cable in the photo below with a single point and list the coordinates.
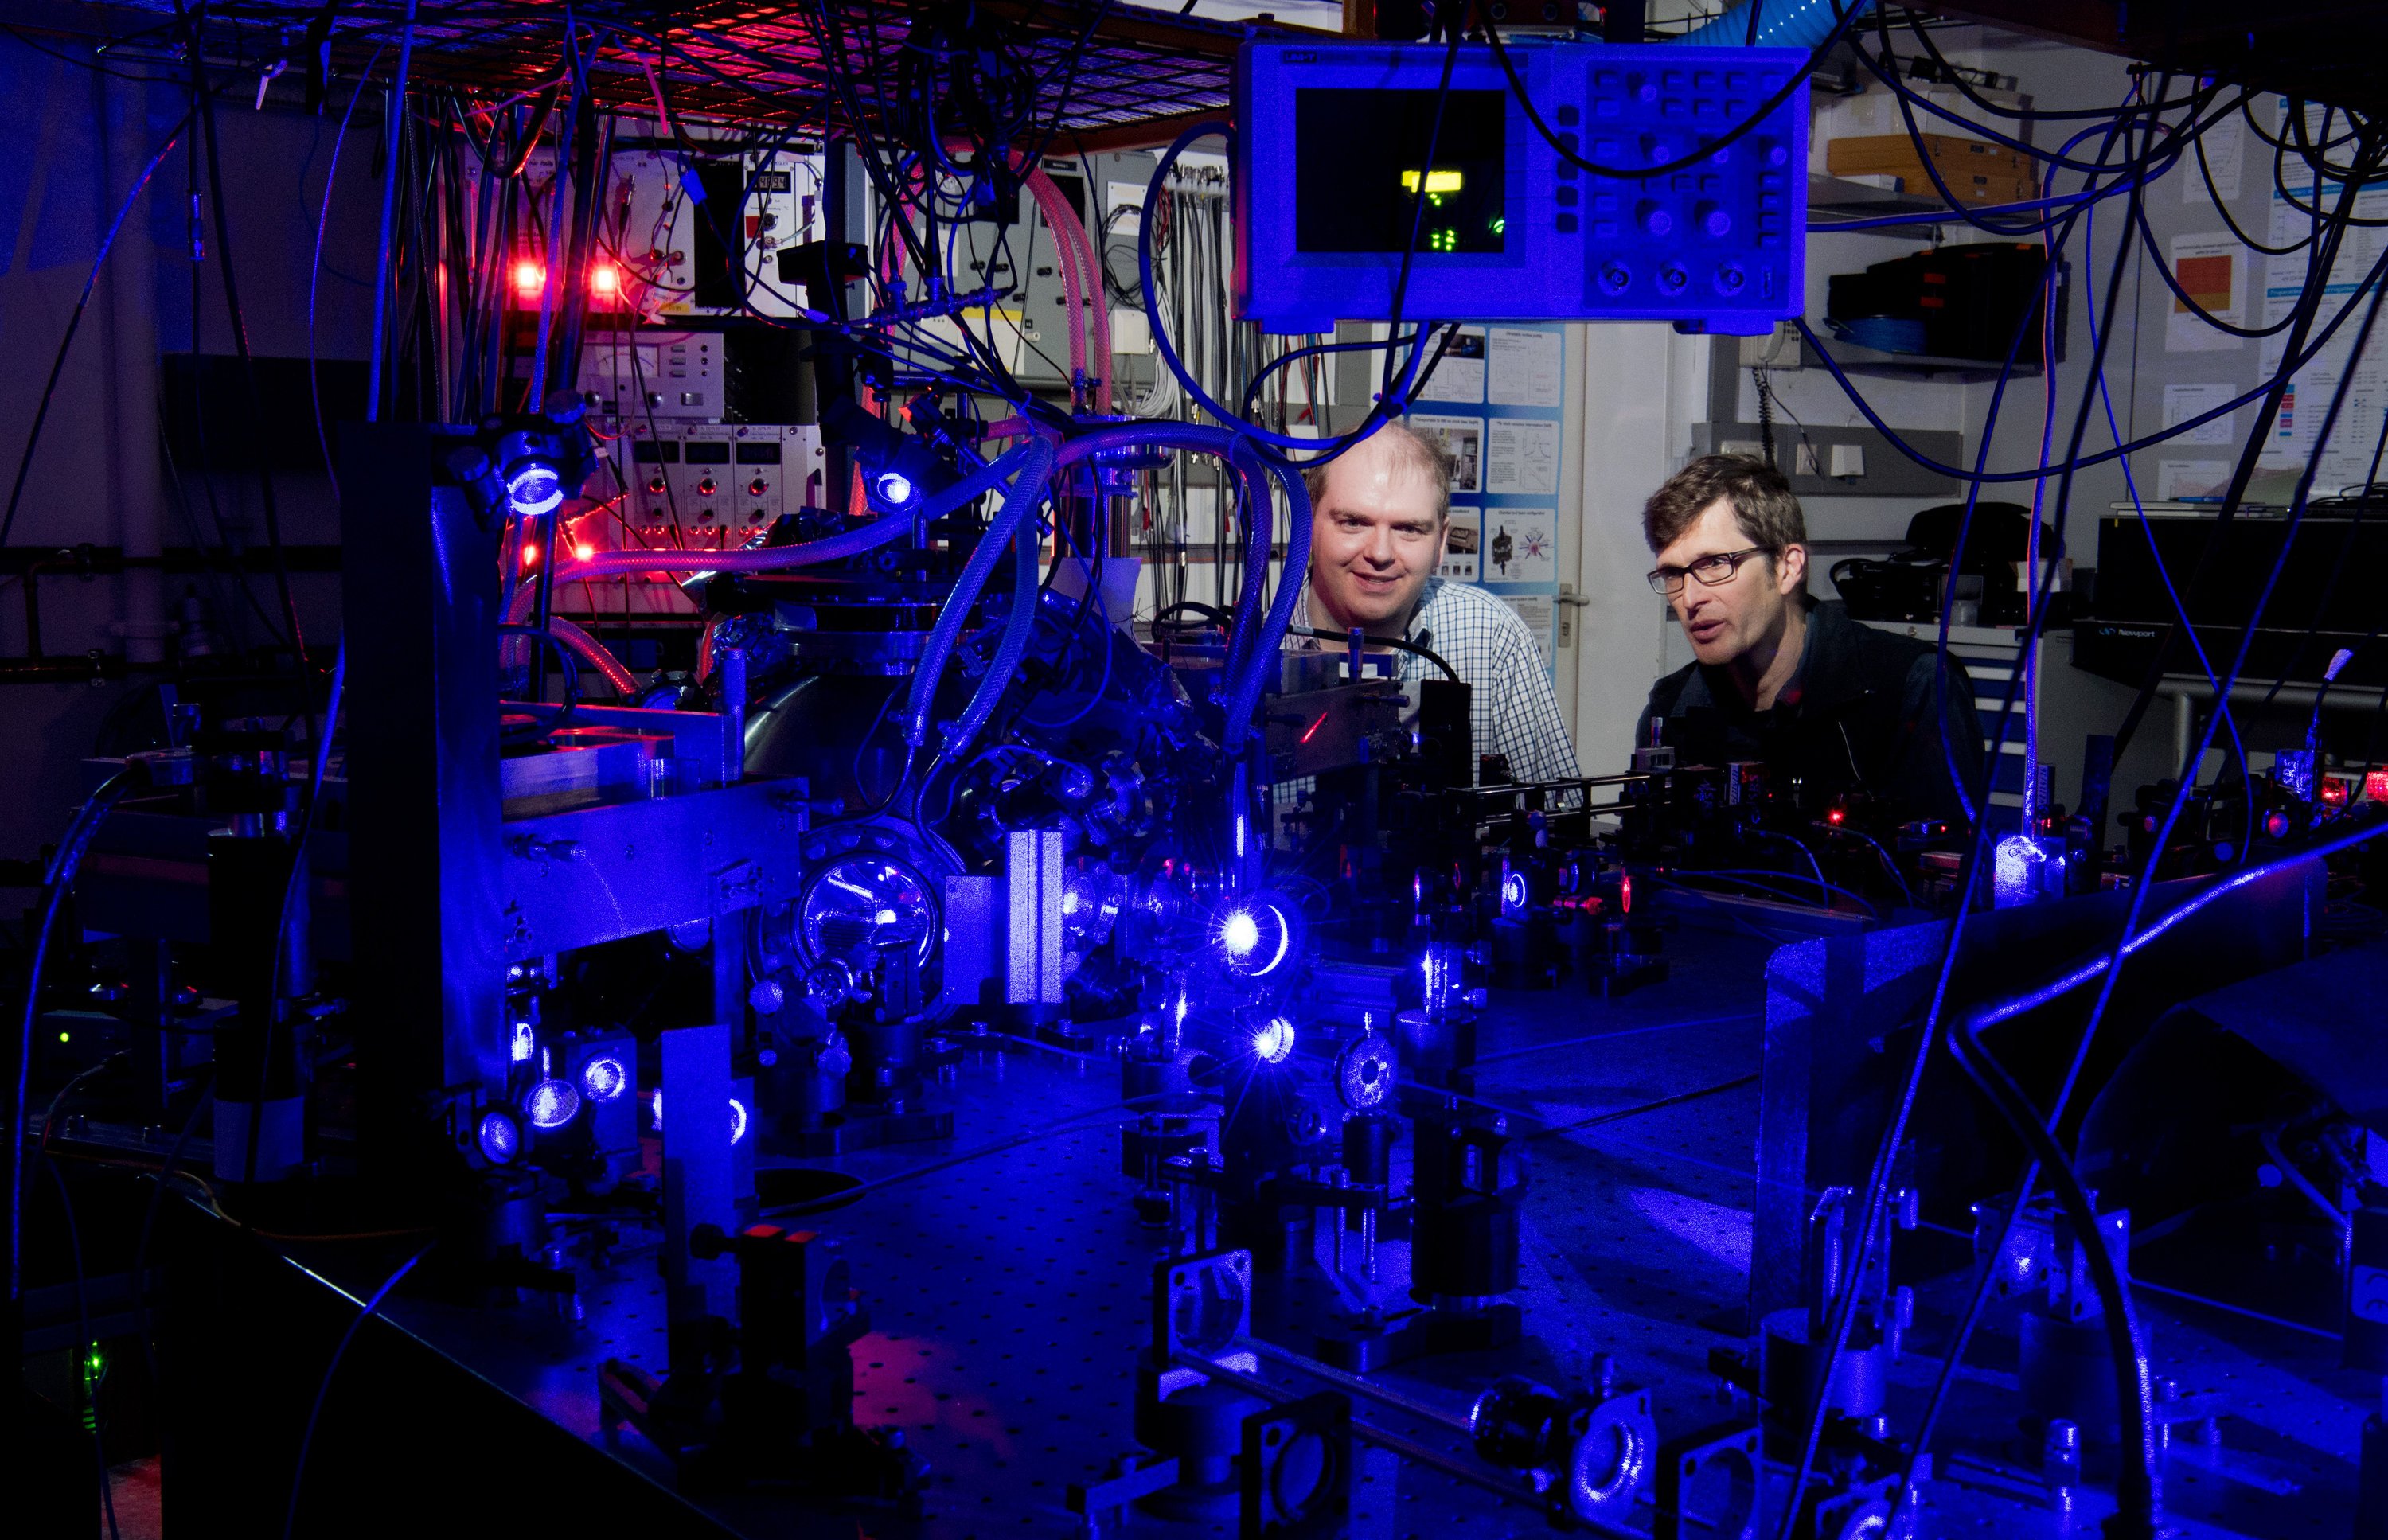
(2138, 1489)
(1707, 146)
(2129, 1364)
(307, 1439)
(1877, 1185)
(1979, 1298)
(1397, 644)
(2290, 362)
(2222, 205)
(2324, 259)
(539, 726)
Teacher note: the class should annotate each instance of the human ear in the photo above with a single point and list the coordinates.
(1791, 570)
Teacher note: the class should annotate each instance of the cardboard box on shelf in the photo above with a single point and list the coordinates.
(1878, 153)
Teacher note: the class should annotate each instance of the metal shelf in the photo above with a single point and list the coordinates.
(1833, 196)
(1110, 76)
(1874, 361)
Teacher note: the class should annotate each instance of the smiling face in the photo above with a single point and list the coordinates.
(1377, 528)
(1747, 612)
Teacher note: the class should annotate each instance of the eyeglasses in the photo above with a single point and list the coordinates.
(1711, 571)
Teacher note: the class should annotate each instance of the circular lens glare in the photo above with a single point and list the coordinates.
(499, 1136)
(602, 1079)
(551, 1104)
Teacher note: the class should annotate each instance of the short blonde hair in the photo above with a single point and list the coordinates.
(1412, 451)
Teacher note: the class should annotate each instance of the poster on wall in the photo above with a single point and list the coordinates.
(2345, 462)
(1521, 455)
(1459, 548)
(2220, 148)
(1462, 438)
(2192, 480)
(1520, 545)
(1536, 610)
(1460, 376)
(1523, 370)
(2211, 270)
(2182, 402)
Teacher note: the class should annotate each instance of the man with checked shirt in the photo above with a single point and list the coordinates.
(1378, 516)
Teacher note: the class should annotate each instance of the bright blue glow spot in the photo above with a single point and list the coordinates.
(535, 489)
(525, 1040)
(895, 489)
(1239, 933)
(1513, 892)
(602, 1079)
(659, 1109)
(1275, 1041)
(500, 1137)
(551, 1104)
(737, 1119)
(2015, 876)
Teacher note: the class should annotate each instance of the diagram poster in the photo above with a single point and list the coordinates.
(1463, 440)
(1460, 376)
(1536, 610)
(2212, 272)
(1522, 455)
(2185, 401)
(1461, 546)
(1520, 545)
(1524, 369)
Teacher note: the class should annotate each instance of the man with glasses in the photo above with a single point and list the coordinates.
(1841, 706)
(1379, 514)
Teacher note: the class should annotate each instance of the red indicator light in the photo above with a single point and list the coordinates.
(606, 281)
(2334, 790)
(529, 277)
(2375, 785)
(530, 556)
(1312, 731)
(1834, 816)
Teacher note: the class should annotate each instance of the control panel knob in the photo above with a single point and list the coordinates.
(1654, 217)
(1711, 219)
(656, 482)
(705, 488)
(758, 486)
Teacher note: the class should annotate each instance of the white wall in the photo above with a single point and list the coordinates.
(1642, 388)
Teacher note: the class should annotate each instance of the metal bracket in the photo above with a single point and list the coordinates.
(1296, 1468)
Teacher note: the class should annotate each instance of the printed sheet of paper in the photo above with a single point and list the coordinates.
(1536, 610)
(2182, 402)
(1524, 368)
(2345, 460)
(1521, 454)
(1460, 376)
(1520, 545)
(2224, 144)
(1463, 440)
(1460, 547)
(2211, 270)
(2192, 480)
